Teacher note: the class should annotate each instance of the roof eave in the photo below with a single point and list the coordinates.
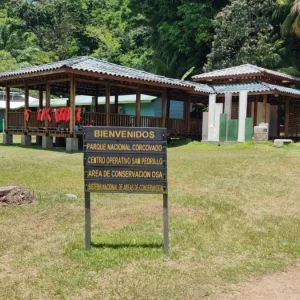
(4, 80)
(213, 78)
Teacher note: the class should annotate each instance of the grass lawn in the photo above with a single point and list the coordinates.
(234, 214)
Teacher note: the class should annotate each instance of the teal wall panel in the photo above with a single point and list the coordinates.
(248, 129)
(232, 130)
(222, 132)
(176, 109)
(147, 109)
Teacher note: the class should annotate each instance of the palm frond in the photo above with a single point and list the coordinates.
(287, 24)
(296, 26)
(296, 7)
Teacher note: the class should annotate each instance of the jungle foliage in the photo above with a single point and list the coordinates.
(167, 37)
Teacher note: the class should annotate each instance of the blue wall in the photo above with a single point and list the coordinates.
(147, 109)
(176, 109)
(153, 109)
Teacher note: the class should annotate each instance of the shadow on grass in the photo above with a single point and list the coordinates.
(126, 245)
(37, 147)
(177, 142)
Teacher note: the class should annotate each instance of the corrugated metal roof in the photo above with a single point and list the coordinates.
(246, 69)
(282, 89)
(204, 88)
(92, 64)
(237, 87)
(253, 87)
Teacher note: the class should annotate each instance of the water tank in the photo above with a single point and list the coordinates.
(261, 132)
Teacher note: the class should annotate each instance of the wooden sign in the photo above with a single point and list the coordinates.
(125, 160)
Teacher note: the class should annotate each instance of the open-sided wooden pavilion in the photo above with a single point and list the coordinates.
(270, 98)
(94, 77)
(265, 93)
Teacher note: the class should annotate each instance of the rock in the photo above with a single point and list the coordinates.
(71, 196)
(281, 142)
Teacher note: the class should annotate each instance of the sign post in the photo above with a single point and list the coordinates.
(125, 160)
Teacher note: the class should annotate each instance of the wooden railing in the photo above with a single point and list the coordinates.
(175, 127)
(16, 119)
(122, 120)
(92, 118)
(33, 121)
(150, 121)
(196, 126)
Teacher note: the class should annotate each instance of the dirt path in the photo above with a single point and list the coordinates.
(279, 286)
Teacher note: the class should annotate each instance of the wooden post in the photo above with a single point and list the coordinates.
(279, 117)
(188, 112)
(40, 98)
(168, 104)
(7, 107)
(255, 111)
(26, 104)
(138, 108)
(107, 104)
(164, 108)
(47, 102)
(166, 222)
(72, 104)
(265, 100)
(287, 117)
(87, 200)
(116, 101)
(96, 99)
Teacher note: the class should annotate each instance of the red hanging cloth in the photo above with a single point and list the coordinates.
(39, 115)
(67, 114)
(46, 114)
(27, 114)
(78, 114)
(43, 117)
(57, 115)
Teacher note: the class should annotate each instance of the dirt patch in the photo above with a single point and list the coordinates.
(278, 286)
(15, 195)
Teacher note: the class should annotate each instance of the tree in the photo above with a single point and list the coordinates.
(291, 11)
(8, 62)
(58, 25)
(119, 34)
(243, 34)
(180, 33)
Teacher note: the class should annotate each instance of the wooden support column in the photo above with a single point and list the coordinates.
(168, 104)
(265, 100)
(40, 98)
(279, 117)
(7, 110)
(164, 108)
(96, 99)
(47, 102)
(184, 109)
(255, 111)
(287, 116)
(138, 108)
(116, 101)
(107, 104)
(26, 104)
(72, 104)
(188, 113)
